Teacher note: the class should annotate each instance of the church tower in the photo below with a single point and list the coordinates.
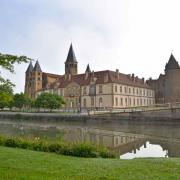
(37, 79)
(33, 80)
(71, 62)
(28, 80)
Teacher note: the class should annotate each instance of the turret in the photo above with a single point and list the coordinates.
(88, 70)
(172, 64)
(71, 62)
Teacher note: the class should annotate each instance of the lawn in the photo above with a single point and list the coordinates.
(26, 164)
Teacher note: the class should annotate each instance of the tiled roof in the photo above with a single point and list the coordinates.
(52, 75)
(100, 77)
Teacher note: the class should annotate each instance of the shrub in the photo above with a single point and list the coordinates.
(11, 142)
(79, 150)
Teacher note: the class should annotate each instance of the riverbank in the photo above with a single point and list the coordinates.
(27, 164)
(161, 116)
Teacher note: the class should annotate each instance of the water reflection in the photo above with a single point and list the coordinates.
(128, 140)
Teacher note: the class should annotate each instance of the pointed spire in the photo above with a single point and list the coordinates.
(71, 55)
(88, 69)
(30, 68)
(172, 63)
(37, 67)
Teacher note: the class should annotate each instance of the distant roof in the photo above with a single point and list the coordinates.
(37, 67)
(30, 68)
(172, 63)
(71, 55)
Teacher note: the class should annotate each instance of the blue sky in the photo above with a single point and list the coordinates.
(134, 36)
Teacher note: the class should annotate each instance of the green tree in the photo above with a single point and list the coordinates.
(6, 100)
(7, 62)
(21, 100)
(49, 101)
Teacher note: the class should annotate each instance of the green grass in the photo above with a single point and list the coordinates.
(26, 164)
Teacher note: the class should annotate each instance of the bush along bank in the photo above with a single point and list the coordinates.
(75, 149)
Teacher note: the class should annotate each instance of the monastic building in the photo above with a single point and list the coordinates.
(167, 86)
(101, 89)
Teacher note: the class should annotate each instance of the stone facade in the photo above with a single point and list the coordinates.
(101, 89)
(167, 86)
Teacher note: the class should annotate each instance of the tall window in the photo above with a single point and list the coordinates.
(84, 102)
(116, 101)
(129, 90)
(115, 88)
(125, 89)
(100, 89)
(92, 101)
(100, 102)
(134, 102)
(126, 101)
(120, 89)
(84, 90)
(129, 101)
(133, 90)
(121, 101)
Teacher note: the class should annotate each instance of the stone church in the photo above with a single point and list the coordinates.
(100, 89)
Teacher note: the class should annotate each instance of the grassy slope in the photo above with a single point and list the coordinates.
(26, 164)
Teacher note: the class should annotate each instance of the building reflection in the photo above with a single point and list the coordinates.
(129, 140)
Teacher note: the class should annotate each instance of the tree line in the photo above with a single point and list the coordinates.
(20, 100)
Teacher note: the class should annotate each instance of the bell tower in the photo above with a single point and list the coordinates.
(71, 64)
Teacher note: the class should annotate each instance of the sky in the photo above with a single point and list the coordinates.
(134, 36)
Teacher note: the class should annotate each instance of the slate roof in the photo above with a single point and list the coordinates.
(88, 69)
(71, 55)
(172, 63)
(30, 68)
(37, 67)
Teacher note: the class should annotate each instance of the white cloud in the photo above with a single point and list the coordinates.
(135, 36)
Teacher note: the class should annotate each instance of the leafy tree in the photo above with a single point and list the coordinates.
(6, 99)
(7, 61)
(21, 100)
(49, 101)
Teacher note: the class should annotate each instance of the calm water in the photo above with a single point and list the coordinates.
(128, 140)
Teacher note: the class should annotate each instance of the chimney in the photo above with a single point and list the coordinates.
(117, 73)
(106, 77)
(143, 80)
